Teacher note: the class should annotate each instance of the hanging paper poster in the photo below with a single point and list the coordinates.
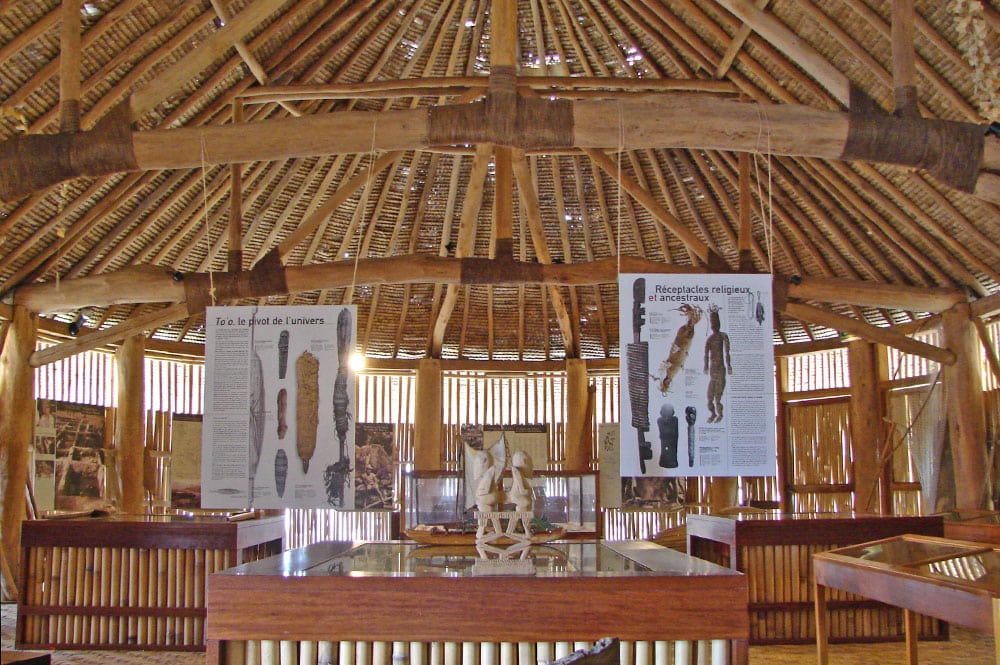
(697, 375)
(278, 428)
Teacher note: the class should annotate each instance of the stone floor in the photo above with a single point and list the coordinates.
(964, 648)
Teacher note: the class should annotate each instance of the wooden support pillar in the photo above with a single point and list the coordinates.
(963, 386)
(17, 422)
(871, 495)
(130, 428)
(723, 492)
(781, 433)
(577, 442)
(427, 425)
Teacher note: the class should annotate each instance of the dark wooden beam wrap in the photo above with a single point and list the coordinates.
(457, 123)
(266, 278)
(32, 162)
(527, 123)
(951, 151)
(491, 271)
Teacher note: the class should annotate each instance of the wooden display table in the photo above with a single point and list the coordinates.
(129, 581)
(981, 526)
(952, 580)
(775, 550)
(318, 600)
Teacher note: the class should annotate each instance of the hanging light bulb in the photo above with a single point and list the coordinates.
(356, 362)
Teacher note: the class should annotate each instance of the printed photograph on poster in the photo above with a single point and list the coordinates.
(78, 465)
(697, 375)
(185, 464)
(278, 430)
(374, 468)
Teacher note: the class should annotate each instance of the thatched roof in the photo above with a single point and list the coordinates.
(381, 185)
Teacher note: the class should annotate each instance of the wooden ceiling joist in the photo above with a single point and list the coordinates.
(653, 121)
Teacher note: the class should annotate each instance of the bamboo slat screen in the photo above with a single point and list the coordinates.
(819, 445)
(907, 366)
(91, 378)
(822, 370)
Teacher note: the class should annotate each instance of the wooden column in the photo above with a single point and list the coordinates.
(130, 428)
(964, 403)
(17, 422)
(427, 425)
(870, 494)
(784, 446)
(723, 492)
(577, 443)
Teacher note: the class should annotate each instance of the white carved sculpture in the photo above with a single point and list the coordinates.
(521, 494)
(488, 490)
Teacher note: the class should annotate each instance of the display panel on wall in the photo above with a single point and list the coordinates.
(697, 375)
(279, 427)
(68, 457)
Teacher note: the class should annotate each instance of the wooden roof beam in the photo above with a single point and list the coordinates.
(736, 45)
(872, 294)
(962, 159)
(533, 213)
(828, 319)
(772, 30)
(696, 247)
(464, 243)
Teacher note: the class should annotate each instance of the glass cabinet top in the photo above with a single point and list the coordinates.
(905, 551)
(408, 559)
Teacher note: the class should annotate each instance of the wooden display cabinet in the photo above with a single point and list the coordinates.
(129, 581)
(952, 580)
(313, 602)
(981, 526)
(775, 551)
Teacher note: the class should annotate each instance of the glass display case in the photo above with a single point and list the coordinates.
(956, 581)
(567, 500)
(775, 549)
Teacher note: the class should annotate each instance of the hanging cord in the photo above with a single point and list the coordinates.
(767, 216)
(204, 200)
(618, 181)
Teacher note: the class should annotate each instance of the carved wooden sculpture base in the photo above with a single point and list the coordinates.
(503, 535)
